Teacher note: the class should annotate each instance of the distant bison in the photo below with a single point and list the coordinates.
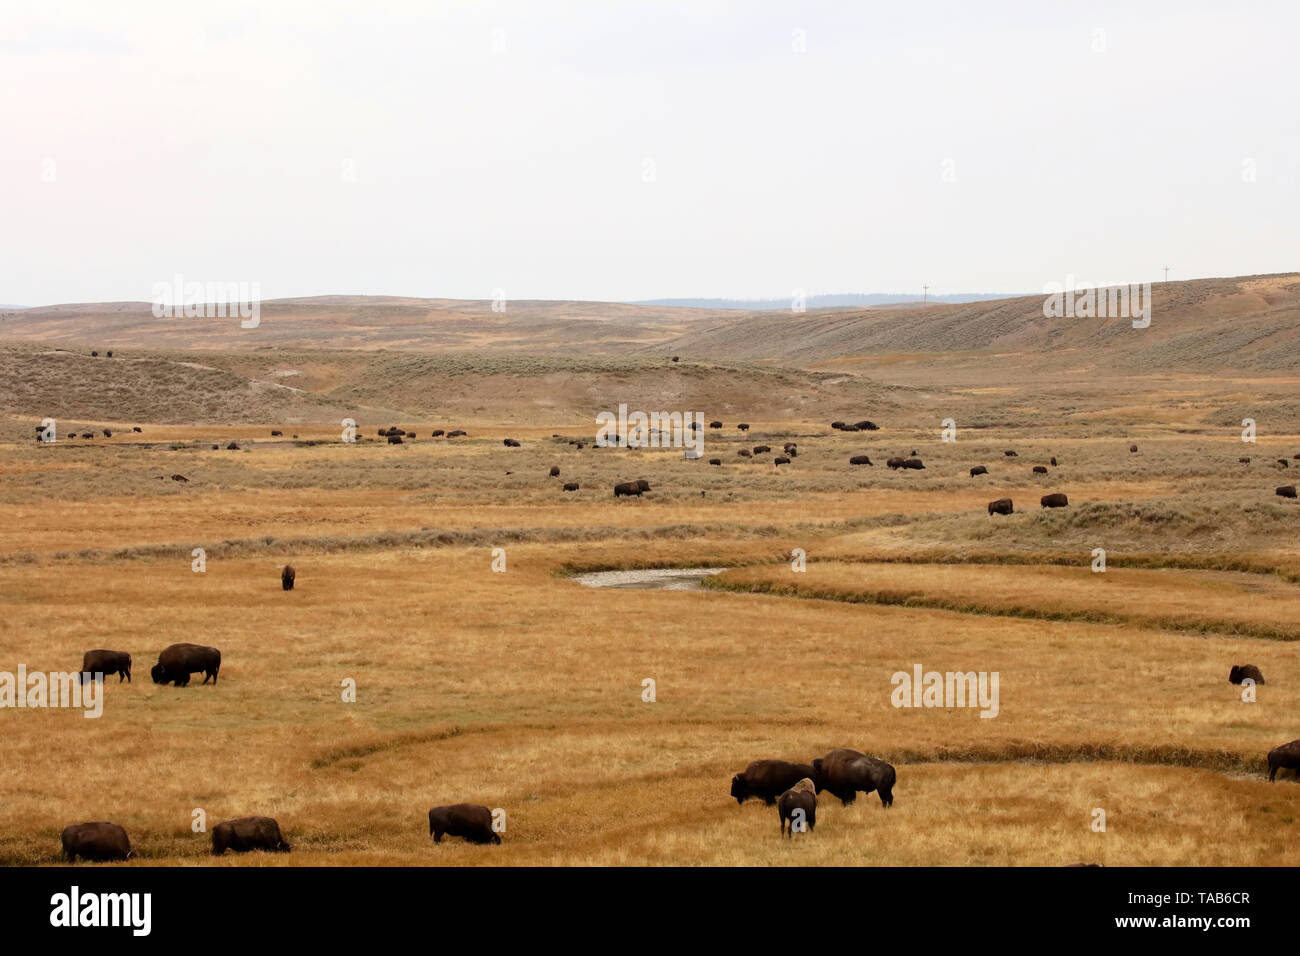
(510, 443)
(457, 433)
(437, 433)
(628, 488)
(846, 773)
(715, 461)
(231, 447)
(177, 662)
(745, 453)
(1240, 672)
(781, 460)
(1244, 461)
(287, 576)
(555, 471)
(467, 820)
(1010, 454)
(978, 470)
(861, 460)
(895, 462)
(743, 426)
(1053, 462)
(108, 433)
(247, 834)
(1055, 500)
(837, 425)
(1040, 469)
(1281, 461)
(715, 424)
(866, 426)
(276, 434)
(1287, 755)
(676, 357)
(394, 439)
(850, 428)
(914, 463)
(570, 486)
(762, 449)
(1286, 491)
(97, 842)
(105, 663)
(137, 428)
(767, 779)
(801, 798)
(1132, 448)
(1000, 507)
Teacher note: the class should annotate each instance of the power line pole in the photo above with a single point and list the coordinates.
(925, 298)
(1166, 273)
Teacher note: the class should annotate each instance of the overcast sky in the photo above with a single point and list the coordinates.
(627, 150)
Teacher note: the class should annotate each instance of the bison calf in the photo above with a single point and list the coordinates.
(177, 662)
(248, 833)
(467, 820)
(97, 842)
(767, 779)
(104, 663)
(798, 805)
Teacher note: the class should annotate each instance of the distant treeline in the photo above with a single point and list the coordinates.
(853, 299)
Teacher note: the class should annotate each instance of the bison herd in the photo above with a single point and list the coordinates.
(793, 787)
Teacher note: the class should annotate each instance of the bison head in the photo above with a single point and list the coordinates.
(739, 787)
(158, 673)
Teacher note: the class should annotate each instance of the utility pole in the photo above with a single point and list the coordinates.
(925, 298)
(1166, 273)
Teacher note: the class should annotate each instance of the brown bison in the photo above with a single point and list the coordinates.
(861, 460)
(1132, 448)
(437, 433)
(743, 426)
(745, 453)
(762, 449)
(457, 433)
(287, 576)
(231, 447)
(555, 471)
(276, 434)
(177, 662)
(1040, 469)
(1054, 500)
(1288, 755)
(97, 842)
(781, 460)
(108, 433)
(866, 426)
(137, 428)
(767, 779)
(394, 439)
(1244, 461)
(978, 470)
(846, 773)
(1281, 461)
(1053, 462)
(914, 463)
(850, 428)
(570, 486)
(1000, 507)
(802, 799)
(895, 463)
(1011, 454)
(715, 424)
(248, 833)
(104, 663)
(511, 443)
(1241, 672)
(837, 425)
(1286, 491)
(715, 461)
(628, 488)
(467, 820)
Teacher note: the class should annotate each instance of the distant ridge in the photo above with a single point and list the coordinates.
(852, 300)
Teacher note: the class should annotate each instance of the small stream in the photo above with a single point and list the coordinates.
(649, 579)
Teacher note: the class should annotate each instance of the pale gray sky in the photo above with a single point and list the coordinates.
(454, 148)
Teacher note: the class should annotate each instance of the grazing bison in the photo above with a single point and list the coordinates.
(570, 486)
(467, 820)
(767, 779)
(715, 461)
(781, 460)
(866, 426)
(137, 428)
(802, 796)
(1132, 448)
(850, 428)
(762, 449)
(287, 576)
(1288, 755)
(861, 460)
(97, 842)
(790, 446)
(745, 453)
(1011, 454)
(248, 833)
(1053, 462)
(105, 663)
(628, 488)
(394, 439)
(179, 477)
(1000, 507)
(1040, 469)
(510, 443)
(177, 662)
(95, 354)
(1286, 491)
(895, 463)
(914, 463)
(846, 773)
(715, 424)
(1281, 461)
(1054, 500)
(743, 426)
(457, 433)
(555, 471)
(1240, 672)
(837, 425)
(1244, 461)
(231, 447)
(978, 470)
(437, 433)
(676, 357)
(108, 433)
(87, 434)
(276, 434)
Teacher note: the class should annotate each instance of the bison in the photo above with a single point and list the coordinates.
(457, 433)
(715, 461)
(781, 460)
(231, 447)
(555, 471)
(177, 662)
(137, 428)
(895, 463)
(837, 425)
(1011, 454)
(437, 433)
(861, 460)
(628, 488)
(108, 433)
(801, 797)
(914, 463)
(248, 833)
(743, 426)
(1287, 755)
(1281, 461)
(866, 426)
(978, 470)
(1244, 461)
(745, 453)
(1242, 672)
(1286, 491)
(767, 779)
(97, 842)
(715, 424)
(1132, 448)
(467, 820)
(762, 449)
(276, 434)
(1054, 500)
(1053, 462)
(846, 773)
(1000, 507)
(1040, 469)
(394, 439)
(287, 576)
(511, 443)
(106, 662)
